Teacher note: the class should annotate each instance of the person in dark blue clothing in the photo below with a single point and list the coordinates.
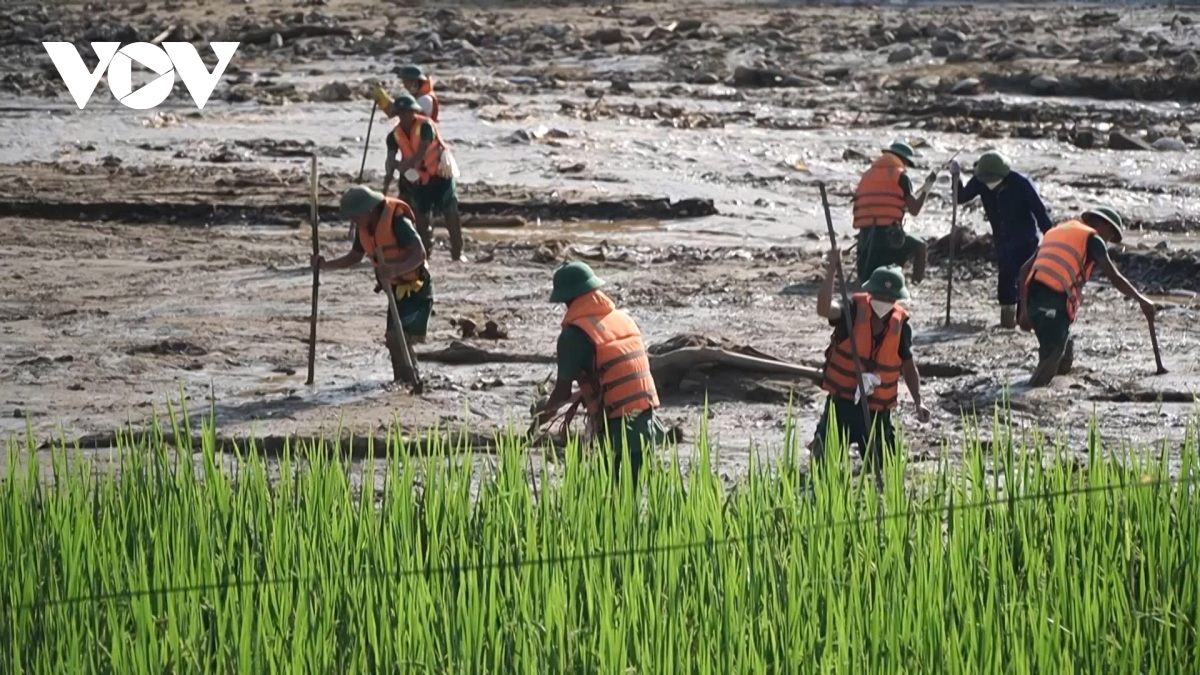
(1017, 215)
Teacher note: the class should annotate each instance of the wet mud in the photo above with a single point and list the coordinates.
(677, 149)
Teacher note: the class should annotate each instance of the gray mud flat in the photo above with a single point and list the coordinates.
(149, 252)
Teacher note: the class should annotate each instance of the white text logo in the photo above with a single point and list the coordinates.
(118, 61)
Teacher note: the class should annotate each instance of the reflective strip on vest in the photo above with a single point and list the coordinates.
(879, 199)
(427, 168)
(840, 379)
(1061, 263)
(385, 238)
(622, 383)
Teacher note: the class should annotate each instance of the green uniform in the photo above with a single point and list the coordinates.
(414, 308)
(436, 195)
(577, 359)
(1047, 308)
(883, 245)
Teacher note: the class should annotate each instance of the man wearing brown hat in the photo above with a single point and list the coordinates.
(1052, 286)
(385, 224)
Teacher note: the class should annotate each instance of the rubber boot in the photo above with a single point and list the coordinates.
(1008, 316)
(1068, 359)
(454, 227)
(400, 371)
(1047, 368)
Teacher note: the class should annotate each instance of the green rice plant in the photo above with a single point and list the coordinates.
(1021, 558)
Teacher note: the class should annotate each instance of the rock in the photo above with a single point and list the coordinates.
(940, 49)
(618, 86)
(1084, 138)
(1054, 48)
(837, 72)
(1005, 52)
(1169, 145)
(276, 41)
(706, 78)
(968, 86)
(1088, 56)
(799, 81)
(1121, 141)
(1133, 55)
(334, 92)
(1189, 62)
(950, 35)
(555, 30)
(852, 155)
(688, 25)
(959, 56)
(610, 36)
(901, 54)
(494, 331)
(645, 21)
(1044, 84)
(907, 31)
(927, 83)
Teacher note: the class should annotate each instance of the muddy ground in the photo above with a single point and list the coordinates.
(676, 148)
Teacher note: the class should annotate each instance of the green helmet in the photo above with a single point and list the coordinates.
(405, 101)
(887, 283)
(902, 150)
(992, 165)
(411, 73)
(1111, 217)
(572, 280)
(358, 200)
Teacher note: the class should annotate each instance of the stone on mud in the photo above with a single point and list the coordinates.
(1133, 55)
(610, 36)
(960, 56)
(1044, 84)
(1118, 140)
(968, 86)
(950, 35)
(940, 49)
(1170, 145)
(901, 54)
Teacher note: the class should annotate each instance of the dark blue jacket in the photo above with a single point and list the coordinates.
(1014, 209)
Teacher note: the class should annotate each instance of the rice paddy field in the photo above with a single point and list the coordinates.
(1016, 560)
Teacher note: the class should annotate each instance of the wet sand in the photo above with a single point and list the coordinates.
(107, 315)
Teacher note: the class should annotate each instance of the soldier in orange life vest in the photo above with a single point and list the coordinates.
(880, 334)
(883, 196)
(601, 348)
(1052, 286)
(425, 162)
(420, 86)
(387, 224)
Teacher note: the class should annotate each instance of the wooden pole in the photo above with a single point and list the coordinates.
(953, 243)
(848, 317)
(367, 143)
(1160, 369)
(409, 362)
(313, 217)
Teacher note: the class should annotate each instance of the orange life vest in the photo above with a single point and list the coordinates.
(882, 359)
(426, 89)
(620, 383)
(1062, 263)
(879, 199)
(385, 237)
(427, 168)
